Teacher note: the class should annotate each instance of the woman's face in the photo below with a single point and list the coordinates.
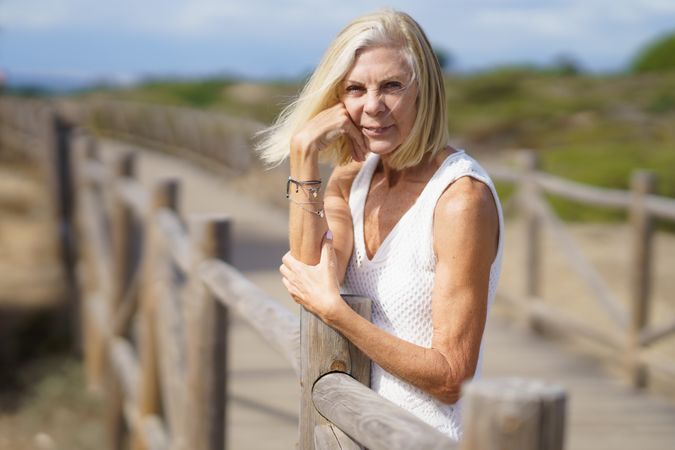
(380, 97)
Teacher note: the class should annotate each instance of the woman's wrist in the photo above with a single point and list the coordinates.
(334, 315)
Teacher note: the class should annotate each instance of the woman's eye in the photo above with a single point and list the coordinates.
(392, 86)
(353, 89)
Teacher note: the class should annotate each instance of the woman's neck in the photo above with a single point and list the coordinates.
(419, 172)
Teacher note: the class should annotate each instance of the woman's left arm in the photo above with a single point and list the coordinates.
(465, 231)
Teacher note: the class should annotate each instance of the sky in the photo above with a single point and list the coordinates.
(263, 39)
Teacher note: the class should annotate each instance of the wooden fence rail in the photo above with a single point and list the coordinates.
(163, 329)
(157, 291)
(633, 335)
(149, 276)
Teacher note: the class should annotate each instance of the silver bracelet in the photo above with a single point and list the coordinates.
(313, 186)
(319, 212)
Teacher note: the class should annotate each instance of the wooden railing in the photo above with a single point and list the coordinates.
(631, 335)
(156, 291)
(157, 294)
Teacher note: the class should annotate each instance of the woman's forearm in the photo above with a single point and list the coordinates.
(306, 228)
(425, 368)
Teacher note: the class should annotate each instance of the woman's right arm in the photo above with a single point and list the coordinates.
(306, 227)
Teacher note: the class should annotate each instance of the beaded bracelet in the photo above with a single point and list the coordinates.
(313, 186)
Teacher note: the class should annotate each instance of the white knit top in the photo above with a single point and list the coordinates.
(400, 278)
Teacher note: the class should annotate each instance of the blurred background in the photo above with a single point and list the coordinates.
(588, 85)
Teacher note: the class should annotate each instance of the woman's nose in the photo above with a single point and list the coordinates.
(374, 103)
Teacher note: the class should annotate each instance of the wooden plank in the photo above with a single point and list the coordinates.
(134, 195)
(171, 356)
(324, 350)
(164, 195)
(95, 172)
(207, 338)
(643, 183)
(513, 414)
(330, 437)
(125, 365)
(532, 229)
(176, 238)
(154, 434)
(580, 264)
(661, 207)
(549, 316)
(256, 306)
(591, 195)
(650, 334)
(372, 420)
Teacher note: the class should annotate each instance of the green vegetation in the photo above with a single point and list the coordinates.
(591, 129)
(658, 56)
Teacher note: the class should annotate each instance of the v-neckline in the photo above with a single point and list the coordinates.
(389, 236)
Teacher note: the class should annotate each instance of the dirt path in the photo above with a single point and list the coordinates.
(264, 392)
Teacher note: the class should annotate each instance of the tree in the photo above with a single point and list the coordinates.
(444, 57)
(657, 56)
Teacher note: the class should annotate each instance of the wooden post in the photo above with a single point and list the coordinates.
(512, 414)
(122, 228)
(643, 183)
(89, 286)
(65, 199)
(529, 191)
(532, 227)
(122, 239)
(207, 331)
(324, 350)
(165, 195)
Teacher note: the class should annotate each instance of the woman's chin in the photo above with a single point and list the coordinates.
(380, 148)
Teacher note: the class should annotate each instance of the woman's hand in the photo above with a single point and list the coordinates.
(326, 127)
(314, 287)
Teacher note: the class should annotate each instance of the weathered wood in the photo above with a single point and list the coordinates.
(154, 434)
(642, 183)
(330, 437)
(372, 420)
(547, 316)
(658, 362)
(164, 195)
(95, 332)
(116, 427)
(512, 414)
(529, 190)
(207, 332)
(171, 351)
(63, 190)
(123, 266)
(256, 307)
(94, 171)
(125, 365)
(661, 207)
(174, 232)
(97, 244)
(503, 174)
(123, 242)
(590, 195)
(324, 350)
(134, 195)
(580, 264)
(651, 333)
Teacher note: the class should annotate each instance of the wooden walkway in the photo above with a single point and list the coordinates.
(603, 413)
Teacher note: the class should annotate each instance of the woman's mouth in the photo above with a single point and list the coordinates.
(375, 131)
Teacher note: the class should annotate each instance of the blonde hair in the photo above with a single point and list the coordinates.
(386, 28)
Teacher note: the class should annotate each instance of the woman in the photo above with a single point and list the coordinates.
(405, 219)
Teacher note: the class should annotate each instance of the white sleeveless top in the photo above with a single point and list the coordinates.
(400, 277)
